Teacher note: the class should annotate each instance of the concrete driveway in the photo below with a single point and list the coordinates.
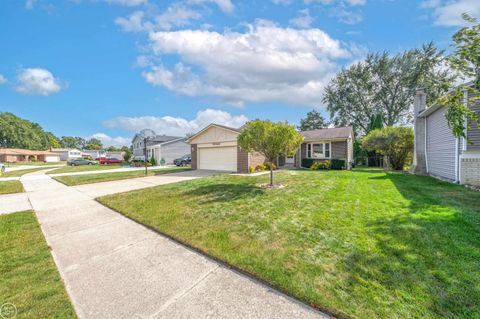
(115, 268)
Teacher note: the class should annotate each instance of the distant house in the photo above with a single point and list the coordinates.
(22, 155)
(437, 151)
(94, 153)
(68, 153)
(216, 148)
(160, 147)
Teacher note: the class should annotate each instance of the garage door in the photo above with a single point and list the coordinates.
(218, 158)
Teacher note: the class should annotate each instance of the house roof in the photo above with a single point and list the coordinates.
(236, 130)
(19, 151)
(328, 133)
(157, 139)
(429, 110)
(64, 149)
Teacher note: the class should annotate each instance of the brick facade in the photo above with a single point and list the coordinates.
(470, 170)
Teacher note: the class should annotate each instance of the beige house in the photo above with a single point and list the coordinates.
(21, 155)
(216, 148)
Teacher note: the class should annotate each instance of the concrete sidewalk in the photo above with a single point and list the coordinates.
(11, 203)
(115, 268)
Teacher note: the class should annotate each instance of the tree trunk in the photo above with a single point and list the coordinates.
(271, 174)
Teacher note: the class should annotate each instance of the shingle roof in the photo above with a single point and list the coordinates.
(328, 133)
(18, 151)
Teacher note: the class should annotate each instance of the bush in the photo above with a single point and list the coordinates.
(307, 162)
(267, 165)
(162, 161)
(251, 169)
(320, 165)
(152, 161)
(260, 168)
(338, 164)
(139, 163)
(394, 142)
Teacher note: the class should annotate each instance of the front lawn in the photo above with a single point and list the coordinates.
(10, 187)
(72, 180)
(85, 168)
(29, 279)
(364, 244)
(20, 172)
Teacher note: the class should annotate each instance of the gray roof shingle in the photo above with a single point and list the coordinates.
(328, 134)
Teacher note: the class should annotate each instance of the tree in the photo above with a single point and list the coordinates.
(313, 121)
(53, 141)
(394, 142)
(465, 60)
(270, 139)
(73, 142)
(112, 149)
(385, 84)
(93, 144)
(16, 132)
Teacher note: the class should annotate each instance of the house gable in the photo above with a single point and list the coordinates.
(214, 134)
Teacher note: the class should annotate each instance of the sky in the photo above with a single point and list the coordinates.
(109, 68)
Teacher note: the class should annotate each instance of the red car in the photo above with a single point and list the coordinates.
(108, 160)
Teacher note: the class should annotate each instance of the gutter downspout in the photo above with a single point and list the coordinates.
(457, 161)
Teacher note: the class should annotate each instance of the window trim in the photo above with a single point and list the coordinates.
(309, 150)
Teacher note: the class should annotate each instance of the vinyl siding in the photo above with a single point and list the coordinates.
(473, 134)
(174, 150)
(440, 146)
(339, 150)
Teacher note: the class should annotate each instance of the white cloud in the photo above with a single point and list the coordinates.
(338, 2)
(37, 81)
(176, 15)
(111, 141)
(177, 126)
(2, 79)
(129, 3)
(282, 2)
(303, 19)
(224, 5)
(449, 13)
(265, 63)
(133, 23)
(347, 16)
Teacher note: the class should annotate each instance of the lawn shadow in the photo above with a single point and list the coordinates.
(225, 192)
(429, 255)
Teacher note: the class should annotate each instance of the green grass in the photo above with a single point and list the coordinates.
(364, 244)
(73, 180)
(84, 168)
(21, 172)
(10, 187)
(29, 278)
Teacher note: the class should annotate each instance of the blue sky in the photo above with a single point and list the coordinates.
(108, 68)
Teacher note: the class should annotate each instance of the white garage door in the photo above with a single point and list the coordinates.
(218, 158)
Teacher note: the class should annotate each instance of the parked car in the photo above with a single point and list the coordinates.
(108, 160)
(183, 161)
(81, 161)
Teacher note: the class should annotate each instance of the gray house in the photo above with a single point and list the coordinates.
(440, 154)
(160, 147)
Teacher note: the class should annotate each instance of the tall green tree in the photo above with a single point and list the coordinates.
(16, 132)
(73, 142)
(270, 139)
(93, 144)
(385, 84)
(466, 60)
(313, 121)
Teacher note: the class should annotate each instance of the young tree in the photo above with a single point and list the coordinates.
(313, 121)
(465, 60)
(93, 144)
(394, 142)
(270, 139)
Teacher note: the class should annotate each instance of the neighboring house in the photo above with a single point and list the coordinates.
(117, 154)
(216, 148)
(94, 153)
(437, 151)
(67, 153)
(160, 147)
(21, 155)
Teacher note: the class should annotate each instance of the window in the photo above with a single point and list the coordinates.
(318, 150)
